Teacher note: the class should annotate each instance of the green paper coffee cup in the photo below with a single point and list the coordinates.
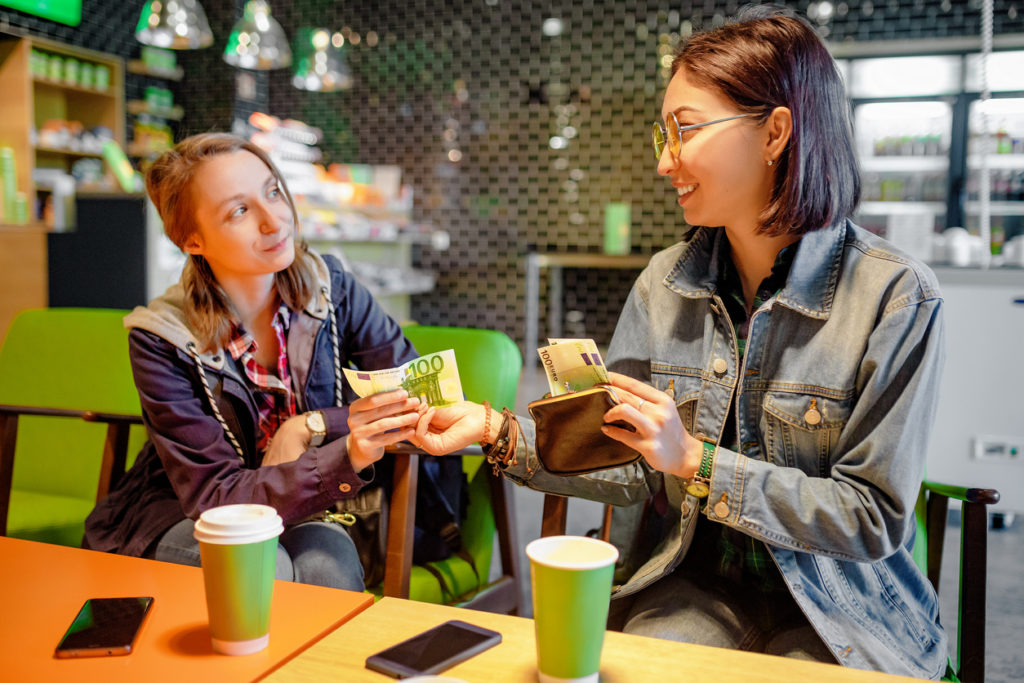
(571, 577)
(238, 550)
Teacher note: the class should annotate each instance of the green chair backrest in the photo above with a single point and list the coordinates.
(65, 358)
(489, 369)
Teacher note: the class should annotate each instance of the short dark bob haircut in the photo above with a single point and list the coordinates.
(766, 58)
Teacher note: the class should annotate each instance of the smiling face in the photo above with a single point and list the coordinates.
(245, 222)
(721, 175)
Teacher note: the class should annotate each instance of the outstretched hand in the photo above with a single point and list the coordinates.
(447, 429)
(660, 436)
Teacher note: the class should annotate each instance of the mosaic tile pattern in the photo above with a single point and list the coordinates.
(513, 134)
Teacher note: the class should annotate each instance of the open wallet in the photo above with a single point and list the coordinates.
(569, 436)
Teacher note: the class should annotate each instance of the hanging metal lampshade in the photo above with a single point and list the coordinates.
(175, 24)
(320, 63)
(257, 41)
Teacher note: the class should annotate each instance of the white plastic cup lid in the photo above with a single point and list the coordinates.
(238, 524)
(572, 552)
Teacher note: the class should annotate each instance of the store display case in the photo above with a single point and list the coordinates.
(920, 138)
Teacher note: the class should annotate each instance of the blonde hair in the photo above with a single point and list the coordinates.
(208, 311)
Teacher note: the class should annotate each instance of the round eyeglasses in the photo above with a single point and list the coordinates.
(672, 133)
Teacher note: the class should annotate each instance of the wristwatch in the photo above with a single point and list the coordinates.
(699, 485)
(316, 426)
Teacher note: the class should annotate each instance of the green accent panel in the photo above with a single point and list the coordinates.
(63, 358)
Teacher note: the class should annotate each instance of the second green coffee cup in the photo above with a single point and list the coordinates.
(238, 550)
(571, 577)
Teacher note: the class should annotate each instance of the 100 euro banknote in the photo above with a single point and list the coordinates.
(572, 365)
(433, 378)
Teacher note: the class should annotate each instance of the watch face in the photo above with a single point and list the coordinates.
(698, 489)
(315, 422)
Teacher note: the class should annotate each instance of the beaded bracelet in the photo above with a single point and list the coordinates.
(487, 421)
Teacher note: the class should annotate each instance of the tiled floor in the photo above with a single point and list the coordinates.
(1004, 660)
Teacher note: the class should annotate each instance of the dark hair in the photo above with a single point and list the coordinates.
(766, 58)
(169, 184)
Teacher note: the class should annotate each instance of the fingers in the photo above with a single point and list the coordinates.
(639, 389)
(365, 411)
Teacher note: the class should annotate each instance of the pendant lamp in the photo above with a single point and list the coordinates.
(320, 63)
(257, 41)
(175, 24)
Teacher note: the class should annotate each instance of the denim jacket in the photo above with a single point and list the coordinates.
(835, 400)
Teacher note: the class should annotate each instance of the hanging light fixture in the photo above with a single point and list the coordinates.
(320, 63)
(257, 41)
(175, 24)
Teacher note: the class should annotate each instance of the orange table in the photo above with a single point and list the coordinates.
(42, 587)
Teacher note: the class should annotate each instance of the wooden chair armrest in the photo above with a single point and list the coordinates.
(6, 409)
(110, 418)
(963, 493)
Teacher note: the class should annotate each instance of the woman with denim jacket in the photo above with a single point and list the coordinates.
(780, 366)
(238, 369)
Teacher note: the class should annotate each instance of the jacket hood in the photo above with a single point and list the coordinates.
(164, 316)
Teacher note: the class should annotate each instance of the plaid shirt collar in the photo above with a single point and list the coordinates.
(275, 400)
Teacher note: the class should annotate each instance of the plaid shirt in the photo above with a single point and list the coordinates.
(275, 400)
(739, 558)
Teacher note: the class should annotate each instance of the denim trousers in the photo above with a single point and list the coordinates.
(693, 607)
(317, 553)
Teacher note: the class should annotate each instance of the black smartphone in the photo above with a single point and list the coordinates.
(434, 650)
(104, 626)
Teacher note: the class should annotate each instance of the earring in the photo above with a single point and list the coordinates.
(770, 162)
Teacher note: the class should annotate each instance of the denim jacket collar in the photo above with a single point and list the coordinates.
(810, 287)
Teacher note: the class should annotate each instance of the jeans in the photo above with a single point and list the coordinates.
(691, 607)
(318, 553)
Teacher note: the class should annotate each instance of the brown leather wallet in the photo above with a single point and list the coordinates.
(569, 436)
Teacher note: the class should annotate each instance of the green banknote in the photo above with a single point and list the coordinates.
(572, 365)
(434, 379)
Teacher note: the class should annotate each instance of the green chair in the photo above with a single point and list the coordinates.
(489, 368)
(67, 406)
(930, 513)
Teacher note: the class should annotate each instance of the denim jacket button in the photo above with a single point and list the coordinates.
(719, 366)
(812, 417)
(721, 509)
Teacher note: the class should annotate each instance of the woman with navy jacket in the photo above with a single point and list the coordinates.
(238, 368)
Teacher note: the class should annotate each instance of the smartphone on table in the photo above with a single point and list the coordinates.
(434, 650)
(104, 626)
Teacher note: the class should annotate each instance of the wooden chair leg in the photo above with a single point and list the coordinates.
(938, 508)
(555, 510)
(401, 523)
(115, 455)
(8, 440)
(505, 524)
(973, 566)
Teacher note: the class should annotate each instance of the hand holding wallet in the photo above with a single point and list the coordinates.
(569, 436)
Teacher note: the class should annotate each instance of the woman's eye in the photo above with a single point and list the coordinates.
(274, 192)
(237, 211)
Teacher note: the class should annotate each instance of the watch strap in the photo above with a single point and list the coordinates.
(699, 485)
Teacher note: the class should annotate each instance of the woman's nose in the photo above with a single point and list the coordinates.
(667, 162)
(270, 222)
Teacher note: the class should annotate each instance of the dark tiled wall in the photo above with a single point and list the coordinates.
(482, 78)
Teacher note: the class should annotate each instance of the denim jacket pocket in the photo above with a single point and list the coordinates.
(684, 389)
(801, 429)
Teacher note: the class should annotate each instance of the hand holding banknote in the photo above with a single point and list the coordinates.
(377, 421)
(572, 365)
(433, 379)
